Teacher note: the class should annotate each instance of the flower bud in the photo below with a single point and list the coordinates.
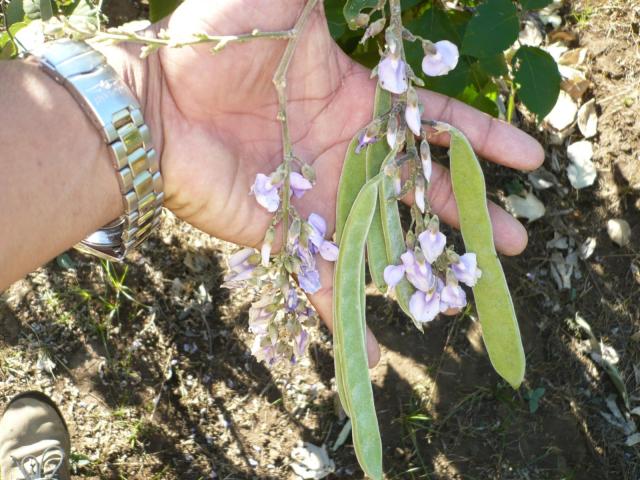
(374, 29)
(392, 131)
(265, 251)
(412, 114)
(425, 157)
(419, 194)
(309, 172)
(361, 20)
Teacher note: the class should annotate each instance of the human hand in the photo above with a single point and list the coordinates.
(217, 116)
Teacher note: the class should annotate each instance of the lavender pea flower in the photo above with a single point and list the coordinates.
(241, 268)
(466, 270)
(425, 306)
(418, 273)
(299, 185)
(440, 58)
(432, 243)
(267, 194)
(452, 296)
(392, 74)
(363, 141)
(327, 249)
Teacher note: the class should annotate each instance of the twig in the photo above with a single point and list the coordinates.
(280, 83)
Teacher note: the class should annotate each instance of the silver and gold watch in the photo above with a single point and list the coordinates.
(114, 110)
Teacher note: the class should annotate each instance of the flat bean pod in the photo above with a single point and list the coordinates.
(394, 241)
(493, 301)
(352, 179)
(376, 153)
(348, 315)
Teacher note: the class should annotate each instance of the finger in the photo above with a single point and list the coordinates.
(491, 138)
(509, 235)
(322, 301)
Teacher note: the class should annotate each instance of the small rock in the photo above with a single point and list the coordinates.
(619, 231)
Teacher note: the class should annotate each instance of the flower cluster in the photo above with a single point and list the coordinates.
(280, 318)
(435, 273)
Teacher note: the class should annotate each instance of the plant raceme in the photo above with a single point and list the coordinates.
(388, 159)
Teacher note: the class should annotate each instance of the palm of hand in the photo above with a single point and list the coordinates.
(220, 119)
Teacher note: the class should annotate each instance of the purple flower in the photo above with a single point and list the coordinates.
(363, 141)
(392, 75)
(300, 344)
(265, 349)
(466, 270)
(308, 276)
(393, 275)
(259, 317)
(240, 267)
(425, 306)
(292, 299)
(266, 193)
(317, 243)
(299, 185)
(442, 58)
(452, 296)
(432, 244)
(309, 279)
(418, 273)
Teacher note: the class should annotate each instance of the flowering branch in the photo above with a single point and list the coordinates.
(280, 82)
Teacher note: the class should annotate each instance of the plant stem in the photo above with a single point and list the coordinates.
(220, 41)
(280, 83)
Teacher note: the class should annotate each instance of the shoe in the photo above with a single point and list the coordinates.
(34, 440)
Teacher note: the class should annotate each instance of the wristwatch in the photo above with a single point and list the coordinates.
(116, 113)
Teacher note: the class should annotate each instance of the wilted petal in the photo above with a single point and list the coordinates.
(266, 193)
(329, 251)
(265, 253)
(466, 270)
(300, 344)
(393, 274)
(452, 296)
(364, 141)
(392, 75)
(442, 61)
(432, 244)
(424, 306)
(299, 184)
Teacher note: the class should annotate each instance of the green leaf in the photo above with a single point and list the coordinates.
(497, 316)
(537, 74)
(38, 9)
(534, 4)
(46, 9)
(492, 29)
(7, 48)
(335, 18)
(353, 8)
(14, 12)
(496, 66)
(158, 9)
(454, 82)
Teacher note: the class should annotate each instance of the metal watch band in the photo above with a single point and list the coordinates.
(116, 113)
